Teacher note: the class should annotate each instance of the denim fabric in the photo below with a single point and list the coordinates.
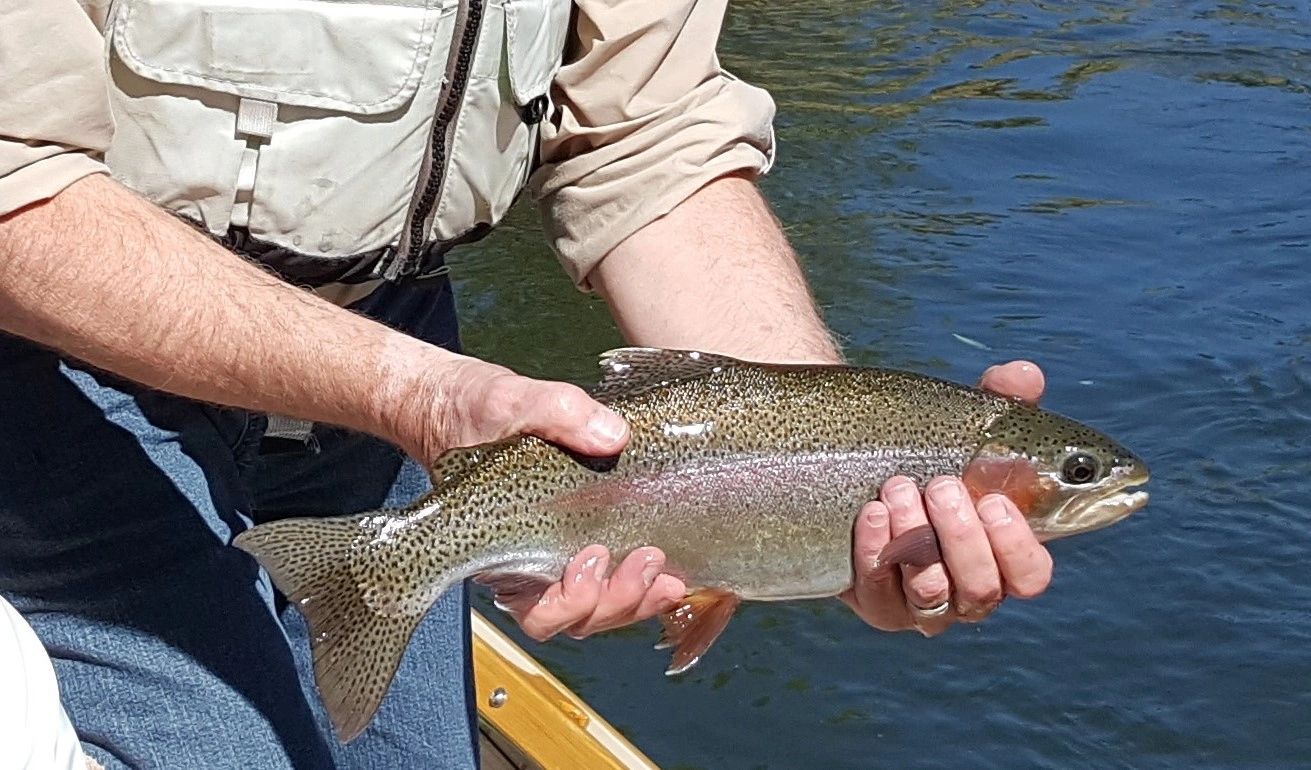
(117, 509)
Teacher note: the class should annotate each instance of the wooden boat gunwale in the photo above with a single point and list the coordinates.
(529, 719)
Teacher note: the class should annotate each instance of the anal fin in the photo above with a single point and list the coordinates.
(693, 626)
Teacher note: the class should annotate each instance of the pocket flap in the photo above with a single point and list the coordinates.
(535, 33)
(358, 57)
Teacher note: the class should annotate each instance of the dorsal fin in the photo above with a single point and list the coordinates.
(625, 371)
(457, 462)
(453, 464)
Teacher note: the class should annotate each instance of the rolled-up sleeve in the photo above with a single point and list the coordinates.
(55, 121)
(645, 117)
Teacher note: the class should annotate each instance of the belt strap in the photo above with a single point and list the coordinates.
(255, 121)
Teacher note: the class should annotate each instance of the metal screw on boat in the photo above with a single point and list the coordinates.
(498, 698)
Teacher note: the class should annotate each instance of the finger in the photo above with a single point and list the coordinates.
(665, 594)
(622, 593)
(561, 413)
(572, 599)
(976, 582)
(1017, 379)
(876, 597)
(1026, 566)
(922, 587)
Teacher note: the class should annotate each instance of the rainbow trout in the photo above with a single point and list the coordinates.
(748, 476)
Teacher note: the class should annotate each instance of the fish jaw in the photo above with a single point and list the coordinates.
(1088, 513)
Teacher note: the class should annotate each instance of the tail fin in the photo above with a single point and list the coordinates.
(356, 649)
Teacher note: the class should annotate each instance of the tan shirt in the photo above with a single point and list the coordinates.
(645, 115)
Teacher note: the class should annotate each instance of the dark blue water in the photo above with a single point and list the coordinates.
(1119, 191)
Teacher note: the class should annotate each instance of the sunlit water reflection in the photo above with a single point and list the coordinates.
(1116, 190)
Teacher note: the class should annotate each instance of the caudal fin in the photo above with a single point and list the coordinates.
(356, 649)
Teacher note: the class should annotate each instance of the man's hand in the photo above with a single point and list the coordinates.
(717, 274)
(469, 402)
(988, 552)
(586, 601)
(459, 401)
(145, 296)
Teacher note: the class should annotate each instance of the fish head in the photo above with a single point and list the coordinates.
(1065, 477)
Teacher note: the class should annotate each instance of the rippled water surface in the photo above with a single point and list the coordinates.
(1119, 191)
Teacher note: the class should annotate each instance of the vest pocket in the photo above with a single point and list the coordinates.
(534, 40)
(494, 145)
(303, 120)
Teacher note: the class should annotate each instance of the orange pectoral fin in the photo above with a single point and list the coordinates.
(917, 547)
(694, 625)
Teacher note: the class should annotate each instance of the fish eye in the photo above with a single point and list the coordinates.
(1080, 468)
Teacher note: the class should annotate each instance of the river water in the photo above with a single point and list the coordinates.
(1119, 191)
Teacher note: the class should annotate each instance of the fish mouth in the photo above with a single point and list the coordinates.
(1086, 513)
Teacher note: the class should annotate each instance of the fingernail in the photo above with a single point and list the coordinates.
(599, 565)
(607, 426)
(994, 512)
(650, 570)
(876, 517)
(946, 495)
(901, 494)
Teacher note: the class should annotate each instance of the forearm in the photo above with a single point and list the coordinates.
(103, 276)
(716, 273)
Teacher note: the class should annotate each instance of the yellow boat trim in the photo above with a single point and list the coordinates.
(525, 705)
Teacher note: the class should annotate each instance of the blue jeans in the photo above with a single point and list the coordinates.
(173, 650)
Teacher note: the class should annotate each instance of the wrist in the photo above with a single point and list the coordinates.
(409, 400)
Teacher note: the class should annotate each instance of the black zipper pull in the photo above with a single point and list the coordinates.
(533, 112)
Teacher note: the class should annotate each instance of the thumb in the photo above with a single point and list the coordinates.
(1017, 379)
(564, 414)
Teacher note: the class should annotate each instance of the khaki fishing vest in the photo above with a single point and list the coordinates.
(333, 140)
